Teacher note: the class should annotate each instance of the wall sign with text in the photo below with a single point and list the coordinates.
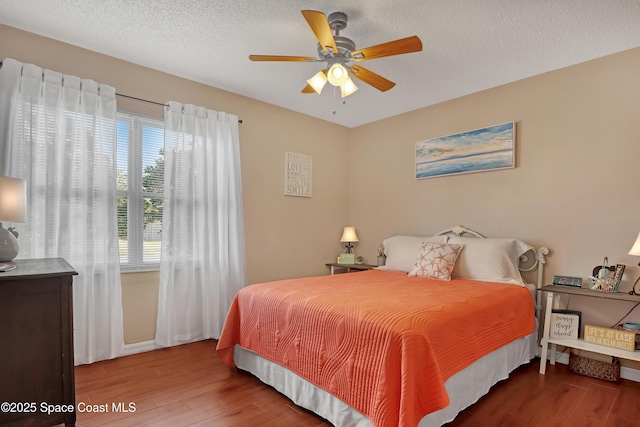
(297, 175)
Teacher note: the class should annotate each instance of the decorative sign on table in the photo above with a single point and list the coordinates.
(347, 259)
(297, 175)
(564, 326)
(610, 337)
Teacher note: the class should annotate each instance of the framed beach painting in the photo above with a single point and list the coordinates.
(477, 150)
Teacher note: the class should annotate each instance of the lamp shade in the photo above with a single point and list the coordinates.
(13, 196)
(349, 235)
(337, 75)
(348, 88)
(635, 250)
(318, 81)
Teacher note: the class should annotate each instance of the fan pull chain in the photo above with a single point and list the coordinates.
(344, 101)
(334, 100)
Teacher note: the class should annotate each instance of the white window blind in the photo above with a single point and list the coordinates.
(140, 158)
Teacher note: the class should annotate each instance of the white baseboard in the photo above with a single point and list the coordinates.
(626, 373)
(140, 347)
(630, 374)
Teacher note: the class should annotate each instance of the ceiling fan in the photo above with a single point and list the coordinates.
(340, 53)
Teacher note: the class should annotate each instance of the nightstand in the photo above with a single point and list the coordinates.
(333, 266)
(580, 343)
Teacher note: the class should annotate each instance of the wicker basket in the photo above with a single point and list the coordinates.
(594, 368)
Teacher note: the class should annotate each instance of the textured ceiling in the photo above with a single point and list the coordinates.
(468, 45)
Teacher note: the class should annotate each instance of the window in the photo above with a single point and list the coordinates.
(140, 175)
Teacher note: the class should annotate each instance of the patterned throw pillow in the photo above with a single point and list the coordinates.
(436, 260)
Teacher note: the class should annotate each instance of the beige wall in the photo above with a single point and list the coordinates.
(575, 187)
(140, 305)
(285, 236)
(573, 190)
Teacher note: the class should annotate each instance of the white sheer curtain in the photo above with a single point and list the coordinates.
(59, 134)
(202, 264)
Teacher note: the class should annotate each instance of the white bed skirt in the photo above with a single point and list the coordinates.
(464, 388)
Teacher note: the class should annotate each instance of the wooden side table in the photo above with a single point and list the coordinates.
(333, 266)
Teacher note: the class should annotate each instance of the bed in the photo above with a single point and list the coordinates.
(409, 344)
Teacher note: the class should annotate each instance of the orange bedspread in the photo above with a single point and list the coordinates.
(382, 342)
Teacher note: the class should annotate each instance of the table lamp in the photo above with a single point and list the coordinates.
(13, 196)
(349, 236)
(635, 251)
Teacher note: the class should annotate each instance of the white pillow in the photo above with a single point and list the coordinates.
(436, 261)
(401, 251)
(490, 259)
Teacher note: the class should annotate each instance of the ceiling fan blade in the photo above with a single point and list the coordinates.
(397, 47)
(308, 89)
(281, 58)
(371, 78)
(320, 27)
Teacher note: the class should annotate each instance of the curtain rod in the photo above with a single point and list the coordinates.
(139, 99)
(149, 102)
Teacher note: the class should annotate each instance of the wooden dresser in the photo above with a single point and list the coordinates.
(36, 332)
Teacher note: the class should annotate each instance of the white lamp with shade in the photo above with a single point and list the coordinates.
(635, 251)
(13, 196)
(349, 236)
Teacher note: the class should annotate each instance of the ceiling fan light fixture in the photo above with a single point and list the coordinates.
(337, 75)
(318, 81)
(338, 52)
(348, 88)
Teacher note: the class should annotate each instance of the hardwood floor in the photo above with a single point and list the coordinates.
(189, 386)
(560, 398)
